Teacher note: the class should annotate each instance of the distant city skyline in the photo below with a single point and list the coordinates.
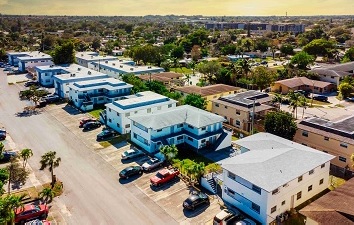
(178, 7)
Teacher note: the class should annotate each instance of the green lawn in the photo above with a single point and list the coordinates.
(95, 113)
(181, 70)
(233, 138)
(335, 182)
(315, 102)
(114, 141)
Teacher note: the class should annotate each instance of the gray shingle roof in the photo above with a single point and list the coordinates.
(183, 114)
(273, 161)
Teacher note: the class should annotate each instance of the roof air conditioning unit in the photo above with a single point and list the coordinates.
(121, 66)
(106, 62)
(131, 69)
(89, 72)
(113, 64)
(78, 69)
(121, 60)
(149, 67)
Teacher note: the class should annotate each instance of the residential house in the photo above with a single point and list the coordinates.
(117, 114)
(25, 60)
(272, 176)
(86, 94)
(237, 108)
(335, 137)
(208, 92)
(85, 58)
(336, 207)
(235, 58)
(117, 68)
(169, 79)
(183, 124)
(336, 73)
(302, 83)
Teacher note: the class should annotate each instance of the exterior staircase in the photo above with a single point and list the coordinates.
(221, 138)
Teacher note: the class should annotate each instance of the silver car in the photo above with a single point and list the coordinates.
(152, 164)
(131, 153)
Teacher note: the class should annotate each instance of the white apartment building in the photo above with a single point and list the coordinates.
(25, 60)
(273, 175)
(86, 94)
(118, 112)
(85, 58)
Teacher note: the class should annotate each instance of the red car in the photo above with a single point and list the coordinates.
(30, 212)
(86, 120)
(164, 176)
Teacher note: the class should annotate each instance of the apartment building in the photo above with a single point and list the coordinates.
(237, 108)
(208, 92)
(25, 60)
(169, 79)
(336, 73)
(302, 83)
(272, 176)
(117, 114)
(85, 58)
(183, 124)
(86, 94)
(335, 137)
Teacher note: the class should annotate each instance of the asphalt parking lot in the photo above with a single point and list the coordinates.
(169, 197)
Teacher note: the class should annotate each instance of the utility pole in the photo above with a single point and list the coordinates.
(253, 109)
(99, 67)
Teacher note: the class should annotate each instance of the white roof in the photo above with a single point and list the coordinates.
(30, 55)
(273, 161)
(105, 83)
(121, 65)
(140, 101)
(93, 56)
(183, 114)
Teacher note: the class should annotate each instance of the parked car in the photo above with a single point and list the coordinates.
(41, 104)
(152, 164)
(195, 200)
(8, 69)
(304, 93)
(2, 134)
(38, 222)
(164, 176)
(130, 171)
(351, 99)
(227, 216)
(106, 133)
(86, 120)
(132, 153)
(264, 62)
(92, 125)
(6, 156)
(31, 83)
(30, 212)
(246, 222)
(51, 98)
(320, 97)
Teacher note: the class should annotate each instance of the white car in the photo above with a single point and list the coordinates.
(131, 153)
(246, 222)
(152, 164)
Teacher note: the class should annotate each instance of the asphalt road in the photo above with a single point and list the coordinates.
(92, 194)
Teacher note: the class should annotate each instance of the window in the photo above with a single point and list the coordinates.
(191, 127)
(273, 209)
(311, 172)
(299, 179)
(127, 114)
(225, 107)
(231, 175)
(283, 203)
(127, 126)
(285, 185)
(179, 138)
(230, 191)
(110, 120)
(159, 130)
(309, 188)
(148, 110)
(203, 128)
(275, 191)
(343, 159)
(135, 135)
(158, 107)
(305, 134)
(321, 181)
(323, 165)
(117, 114)
(256, 189)
(238, 112)
(256, 207)
(216, 105)
(180, 125)
(118, 125)
(326, 138)
(238, 123)
(190, 139)
(169, 105)
(298, 195)
(344, 145)
(203, 141)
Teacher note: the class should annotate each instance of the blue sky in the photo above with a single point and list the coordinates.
(178, 7)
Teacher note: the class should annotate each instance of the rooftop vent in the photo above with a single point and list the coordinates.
(121, 60)
(78, 69)
(113, 64)
(131, 69)
(149, 67)
(121, 66)
(106, 61)
(88, 72)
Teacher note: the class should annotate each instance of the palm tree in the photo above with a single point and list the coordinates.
(294, 101)
(49, 160)
(2, 148)
(244, 67)
(188, 77)
(192, 65)
(303, 104)
(169, 151)
(199, 169)
(277, 99)
(9, 204)
(47, 194)
(25, 155)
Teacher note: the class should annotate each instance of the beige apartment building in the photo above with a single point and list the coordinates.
(333, 137)
(237, 108)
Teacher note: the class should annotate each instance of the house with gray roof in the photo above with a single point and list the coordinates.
(181, 125)
(334, 74)
(272, 176)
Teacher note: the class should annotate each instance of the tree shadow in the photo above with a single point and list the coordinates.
(71, 110)
(193, 213)
(28, 113)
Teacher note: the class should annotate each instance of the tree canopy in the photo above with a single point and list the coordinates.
(302, 60)
(263, 77)
(195, 100)
(320, 47)
(281, 124)
(64, 54)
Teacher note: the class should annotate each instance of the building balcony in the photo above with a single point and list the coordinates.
(103, 94)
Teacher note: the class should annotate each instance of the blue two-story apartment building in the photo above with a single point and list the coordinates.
(184, 124)
(86, 94)
(25, 60)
